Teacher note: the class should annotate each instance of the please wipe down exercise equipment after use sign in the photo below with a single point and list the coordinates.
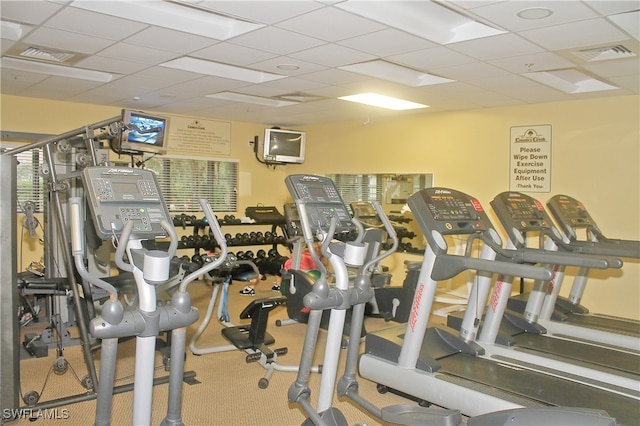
(530, 167)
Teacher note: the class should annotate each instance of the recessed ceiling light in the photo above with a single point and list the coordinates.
(176, 15)
(250, 99)
(569, 81)
(375, 99)
(53, 69)
(427, 19)
(12, 30)
(388, 71)
(217, 69)
(535, 13)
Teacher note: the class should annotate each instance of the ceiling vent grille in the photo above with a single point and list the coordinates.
(300, 97)
(604, 53)
(44, 54)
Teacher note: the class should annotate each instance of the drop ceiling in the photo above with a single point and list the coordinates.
(304, 51)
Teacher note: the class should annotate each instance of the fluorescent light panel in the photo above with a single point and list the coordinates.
(12, 31)
(387, 71)
(250, 99)
(180, 16)
(217, 69)
(53, 69)
(382, 101)
(426, 19)
(569, 81)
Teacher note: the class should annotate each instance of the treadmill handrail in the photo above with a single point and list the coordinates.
(448, 266)
(533, 255)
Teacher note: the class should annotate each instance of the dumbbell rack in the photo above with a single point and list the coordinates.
(248, 234)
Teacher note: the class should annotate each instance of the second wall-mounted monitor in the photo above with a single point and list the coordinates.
(144, 132)
(284, 146)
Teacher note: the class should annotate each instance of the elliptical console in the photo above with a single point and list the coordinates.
(120, 194)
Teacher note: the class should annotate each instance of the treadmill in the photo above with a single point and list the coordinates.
(572, 217)
(436, 365)
(542, 306)
(527, 340)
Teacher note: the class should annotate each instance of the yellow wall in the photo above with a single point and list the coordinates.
(595, 158)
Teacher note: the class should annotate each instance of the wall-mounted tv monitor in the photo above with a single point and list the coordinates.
(144, 132)
(284, 146)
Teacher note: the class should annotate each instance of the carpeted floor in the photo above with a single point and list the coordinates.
(226, 391)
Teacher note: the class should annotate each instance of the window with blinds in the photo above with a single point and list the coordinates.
(29, 183)
(354, 188)
(384, 188)
(184, 181)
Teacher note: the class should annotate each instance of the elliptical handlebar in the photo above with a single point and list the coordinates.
(214, 226)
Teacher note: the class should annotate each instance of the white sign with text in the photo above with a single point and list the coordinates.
(530, 166)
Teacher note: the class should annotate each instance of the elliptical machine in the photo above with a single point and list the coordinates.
(127, 206)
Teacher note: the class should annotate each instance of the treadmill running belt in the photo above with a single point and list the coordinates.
(627, 328)
(589, 354)
(541, 388)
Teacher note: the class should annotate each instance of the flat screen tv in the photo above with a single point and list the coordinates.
(144, 132)
(284, 146)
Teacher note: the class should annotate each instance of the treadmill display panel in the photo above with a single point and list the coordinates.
(519, 211)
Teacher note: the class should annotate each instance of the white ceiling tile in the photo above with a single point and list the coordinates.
(112, 65)
(267, 12)
(330, 24)
(432, 58)
(608, 7)
(232, 54)
(332, 76)
(616, 68)
(94, 24)
(332, 55)
(534, 62)
(505, 14)
(470, 71)
(501, 46)
(276, 40)
(575, 34)
(65, 40)
(386, 43)
(166, 39)
(36, 12)
(141, 54)
(203, 86)
(271, 65)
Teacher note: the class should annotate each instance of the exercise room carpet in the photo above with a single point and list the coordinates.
(226, 392)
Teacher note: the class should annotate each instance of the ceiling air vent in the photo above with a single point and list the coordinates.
(300, 97)
(44, 54)
(604, 53)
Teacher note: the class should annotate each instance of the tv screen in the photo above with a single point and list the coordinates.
(284, 146)
(144, 132)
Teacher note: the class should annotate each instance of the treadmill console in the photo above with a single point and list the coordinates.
(120, 194)
(520, 213)
(570, 214)
(447, 211)
(322, 202)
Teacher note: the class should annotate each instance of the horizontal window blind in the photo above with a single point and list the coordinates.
(183, 181)
(354, 188)
(29, 184)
